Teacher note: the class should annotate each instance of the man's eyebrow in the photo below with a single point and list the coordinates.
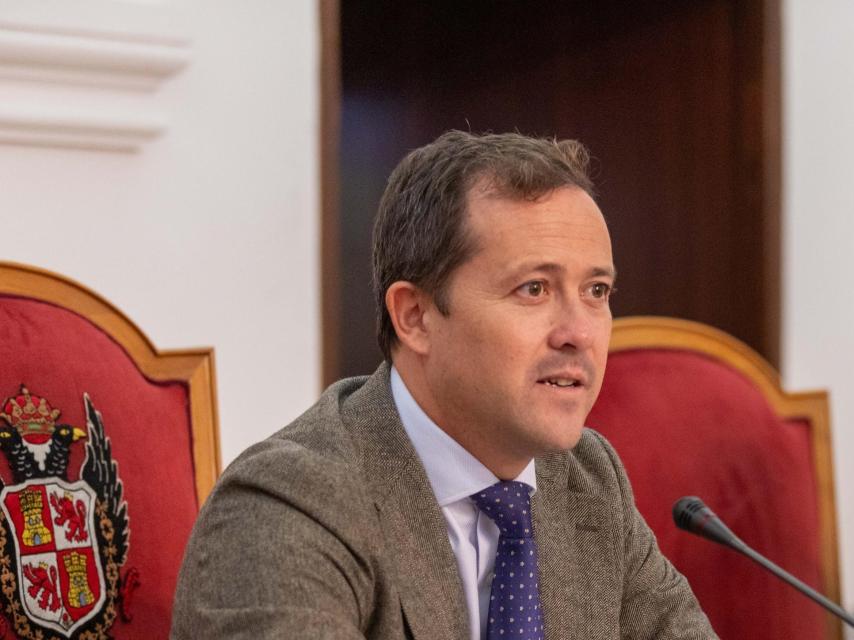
(555, 268)
(525, 267)
(609, 272)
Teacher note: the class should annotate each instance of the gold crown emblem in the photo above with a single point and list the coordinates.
(29, 414)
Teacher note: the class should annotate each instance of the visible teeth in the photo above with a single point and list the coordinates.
(562, 382)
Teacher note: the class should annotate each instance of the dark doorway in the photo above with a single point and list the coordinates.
(678, 102)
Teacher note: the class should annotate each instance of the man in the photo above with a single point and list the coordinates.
(453, 494)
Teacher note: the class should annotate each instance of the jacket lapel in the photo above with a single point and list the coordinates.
(579, 577)
(416, 535)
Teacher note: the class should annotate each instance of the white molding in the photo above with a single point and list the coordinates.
(115, 60)
(108, 131)
(83, 73)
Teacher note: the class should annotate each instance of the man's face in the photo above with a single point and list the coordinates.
(514, 368)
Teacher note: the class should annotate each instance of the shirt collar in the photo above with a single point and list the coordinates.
(453, 472)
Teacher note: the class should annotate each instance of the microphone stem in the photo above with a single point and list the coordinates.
(797, 584)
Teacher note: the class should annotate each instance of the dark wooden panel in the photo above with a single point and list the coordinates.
(671, 98)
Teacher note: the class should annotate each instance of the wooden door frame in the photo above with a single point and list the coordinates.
(330, 237)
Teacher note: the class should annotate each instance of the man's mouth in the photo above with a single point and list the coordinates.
(561, 382)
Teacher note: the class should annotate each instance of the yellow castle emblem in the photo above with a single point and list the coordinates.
(79, 593)
(35, 532)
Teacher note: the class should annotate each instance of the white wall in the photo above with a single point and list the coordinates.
(207, 235)
(818, 280)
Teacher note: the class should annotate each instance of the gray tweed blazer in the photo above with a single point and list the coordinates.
(329, 530)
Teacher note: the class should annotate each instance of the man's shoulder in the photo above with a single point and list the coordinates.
(309, 477)
(318, 446)
(291, 523)
(322, 429)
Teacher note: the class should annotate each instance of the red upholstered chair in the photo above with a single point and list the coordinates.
(693, 411)
(108, 449)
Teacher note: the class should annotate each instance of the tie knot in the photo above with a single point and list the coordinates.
(508, 504)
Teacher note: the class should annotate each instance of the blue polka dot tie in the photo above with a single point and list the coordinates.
(514, 603)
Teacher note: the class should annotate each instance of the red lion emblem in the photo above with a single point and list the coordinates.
(72, 514)
(44, 583)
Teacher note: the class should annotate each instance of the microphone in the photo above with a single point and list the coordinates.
(692, 515)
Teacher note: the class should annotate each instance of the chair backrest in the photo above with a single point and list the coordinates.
(108, 448)
(693, 411)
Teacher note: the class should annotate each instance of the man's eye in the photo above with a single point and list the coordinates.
(600, 290)
(534, 289)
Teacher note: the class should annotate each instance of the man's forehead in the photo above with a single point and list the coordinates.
(484, 198)
(567, 234)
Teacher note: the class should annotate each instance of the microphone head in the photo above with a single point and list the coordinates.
(691, 514)
(685, 510)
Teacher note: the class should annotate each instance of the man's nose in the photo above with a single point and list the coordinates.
(572, 326)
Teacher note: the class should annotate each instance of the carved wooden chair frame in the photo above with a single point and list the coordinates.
(650, 332)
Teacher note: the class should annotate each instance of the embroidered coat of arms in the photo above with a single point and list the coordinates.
(63, 533)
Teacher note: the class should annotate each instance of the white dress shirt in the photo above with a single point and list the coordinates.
(455, 474)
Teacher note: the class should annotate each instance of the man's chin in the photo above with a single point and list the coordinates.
(562, 439)
(571, 440)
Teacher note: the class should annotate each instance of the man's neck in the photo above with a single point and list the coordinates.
(490, 454)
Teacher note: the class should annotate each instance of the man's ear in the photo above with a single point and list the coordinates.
(407, 304)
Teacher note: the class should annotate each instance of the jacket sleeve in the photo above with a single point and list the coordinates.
(657, 601)
(269, 556)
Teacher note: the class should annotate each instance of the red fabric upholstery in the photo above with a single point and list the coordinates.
(60, 356)
(685, 424)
